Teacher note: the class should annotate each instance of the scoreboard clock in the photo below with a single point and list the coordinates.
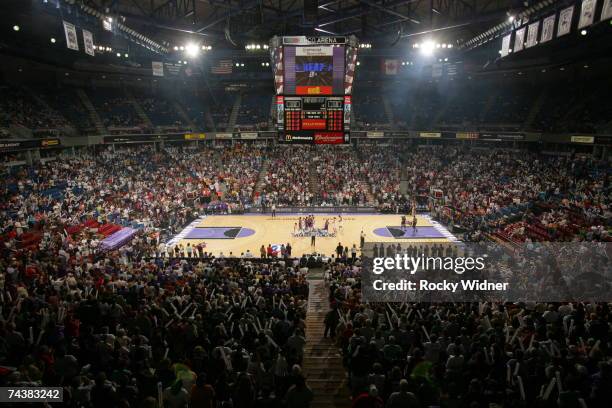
(313, 80)
(313, 119)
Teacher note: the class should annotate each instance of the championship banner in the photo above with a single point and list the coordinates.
(587, 13)
(565, 21)
(88, 42)
(505, 49)
(548, 28)
(390, 66)
(158, 68)
(583, 139)
(430, 135)
(71, 36)
(606, 10)
(532, 34)
(519, 39)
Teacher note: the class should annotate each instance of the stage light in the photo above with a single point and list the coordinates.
(511, 19)
(180, 62)
(586, 66)
(192, 50)
(358, 63)
(242, 64)
(266, 46)
(443, 45)
(16, 27)
(126, 55)
(258, 46)
(445, 59)
(184, 62)
(427, 48)
(176, 48)
(583, 32)
(417, 45)
(53, 42)
(203, 48)
(119, 54)
(237, 64)
(110, 19)
(209, 47)
(450, 45)
(182, 48)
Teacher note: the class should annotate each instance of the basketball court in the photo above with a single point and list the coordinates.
(236, 234)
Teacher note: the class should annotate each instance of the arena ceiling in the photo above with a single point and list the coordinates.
(228, 23)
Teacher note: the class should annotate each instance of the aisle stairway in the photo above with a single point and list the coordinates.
(142, 115)
(259, 185)
(93, 114)
(388, 109)
(322, 364)
(233, 118)
(536, 106)
(183, 115)
(314, 184)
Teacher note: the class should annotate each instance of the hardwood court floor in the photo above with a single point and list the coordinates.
(279, 231)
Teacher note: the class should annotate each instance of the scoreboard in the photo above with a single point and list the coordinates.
(313, 80)
(314, 119)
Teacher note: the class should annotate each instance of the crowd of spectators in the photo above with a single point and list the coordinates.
(20, 108)
(122, 328)
(483, 354)
(127, 329)
(162, 112)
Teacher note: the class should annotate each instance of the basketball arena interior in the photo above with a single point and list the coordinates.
(188, 189)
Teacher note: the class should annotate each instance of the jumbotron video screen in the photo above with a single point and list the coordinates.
(313, 80)
(314, 70)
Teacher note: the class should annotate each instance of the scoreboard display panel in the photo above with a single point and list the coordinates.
(317, 119)
(313, 80)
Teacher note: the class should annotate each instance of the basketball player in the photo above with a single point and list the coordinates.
(403, 222)
(313, 239)
(273, 210)
(414, 225)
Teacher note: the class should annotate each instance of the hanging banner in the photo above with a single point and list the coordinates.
(71, 36)
(519, 39)
(587, 13)
(158, 68)
(565, 21)
(505, 50)
(548, 28)
(606, 10)
(532, 34)
(88, 42)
